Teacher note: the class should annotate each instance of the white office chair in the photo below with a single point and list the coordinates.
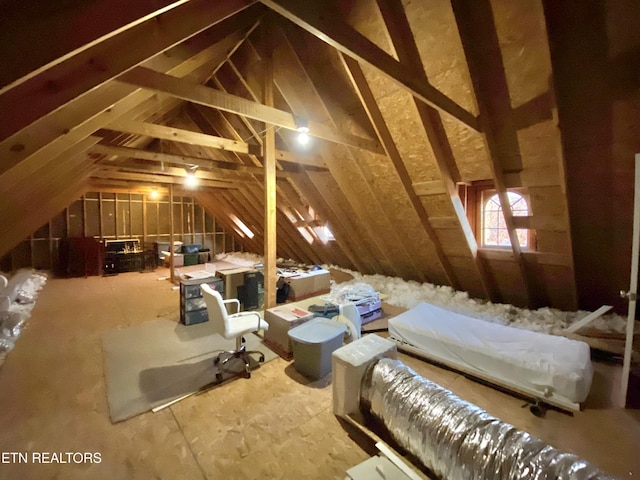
(233, 325)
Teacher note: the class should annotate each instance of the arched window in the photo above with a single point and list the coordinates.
(494, 229)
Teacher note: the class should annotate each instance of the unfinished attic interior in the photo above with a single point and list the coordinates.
(425, 209)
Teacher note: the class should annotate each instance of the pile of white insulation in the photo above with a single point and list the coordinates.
(18, 293)
(407, 294)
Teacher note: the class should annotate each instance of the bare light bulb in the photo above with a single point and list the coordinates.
(190, 180)
(303, 138)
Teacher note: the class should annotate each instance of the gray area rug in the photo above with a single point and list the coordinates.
(159, 361)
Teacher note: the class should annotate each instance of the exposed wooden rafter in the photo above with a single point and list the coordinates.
(186, 160)
(345, 165)
(55, 132)
(285, 188)
(92, 67)
(368, 101)
(484, 58)
(311, 16)
(30, 31)
(181, 135)
(210, 97)
(404, 44)
(112, 173)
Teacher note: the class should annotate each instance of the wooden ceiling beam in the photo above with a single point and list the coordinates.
(209, 202)
(75, 76)
(56, 132)
(484, 58)
(26, 172)
(127, 152)
(404, 43)
(377, 120)
(281, 156)
(106, 173)
(312, 17)
(209, 97)
(345, 164)
(31, 28)
(124, 186)
(180, 135)
(223, 176)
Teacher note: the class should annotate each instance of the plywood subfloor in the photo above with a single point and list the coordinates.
(275, 425)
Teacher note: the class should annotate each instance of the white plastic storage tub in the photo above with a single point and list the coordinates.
(313, 343)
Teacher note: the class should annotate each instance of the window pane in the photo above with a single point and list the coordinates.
(495, 229)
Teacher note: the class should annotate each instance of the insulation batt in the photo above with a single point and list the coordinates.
(407, 294)
(455, 439)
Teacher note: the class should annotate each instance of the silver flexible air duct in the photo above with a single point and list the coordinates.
(455, 439)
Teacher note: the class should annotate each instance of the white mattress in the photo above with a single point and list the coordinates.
(551, 365)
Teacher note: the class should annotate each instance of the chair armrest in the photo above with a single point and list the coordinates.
(246, 314)
(233, 300)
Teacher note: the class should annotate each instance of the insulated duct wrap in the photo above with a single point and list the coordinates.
(455, 439)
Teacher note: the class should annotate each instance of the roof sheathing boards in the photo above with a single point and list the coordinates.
(523, 41)
(400, 114)
(394, 226)
(438, 42)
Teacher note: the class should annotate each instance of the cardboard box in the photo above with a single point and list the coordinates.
(233, 278)
(308, 284)
(281, 319)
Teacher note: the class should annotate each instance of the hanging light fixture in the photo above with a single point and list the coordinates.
(153, 194)
(190, 180)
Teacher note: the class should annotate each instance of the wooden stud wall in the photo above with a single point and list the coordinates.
(108, 216)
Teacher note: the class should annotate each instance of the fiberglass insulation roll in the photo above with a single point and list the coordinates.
(455, 439)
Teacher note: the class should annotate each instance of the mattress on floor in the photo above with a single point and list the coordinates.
(545, 363)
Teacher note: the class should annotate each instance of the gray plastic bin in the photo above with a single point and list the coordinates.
(313, 343)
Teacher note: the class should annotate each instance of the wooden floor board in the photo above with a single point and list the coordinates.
(275, 425)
